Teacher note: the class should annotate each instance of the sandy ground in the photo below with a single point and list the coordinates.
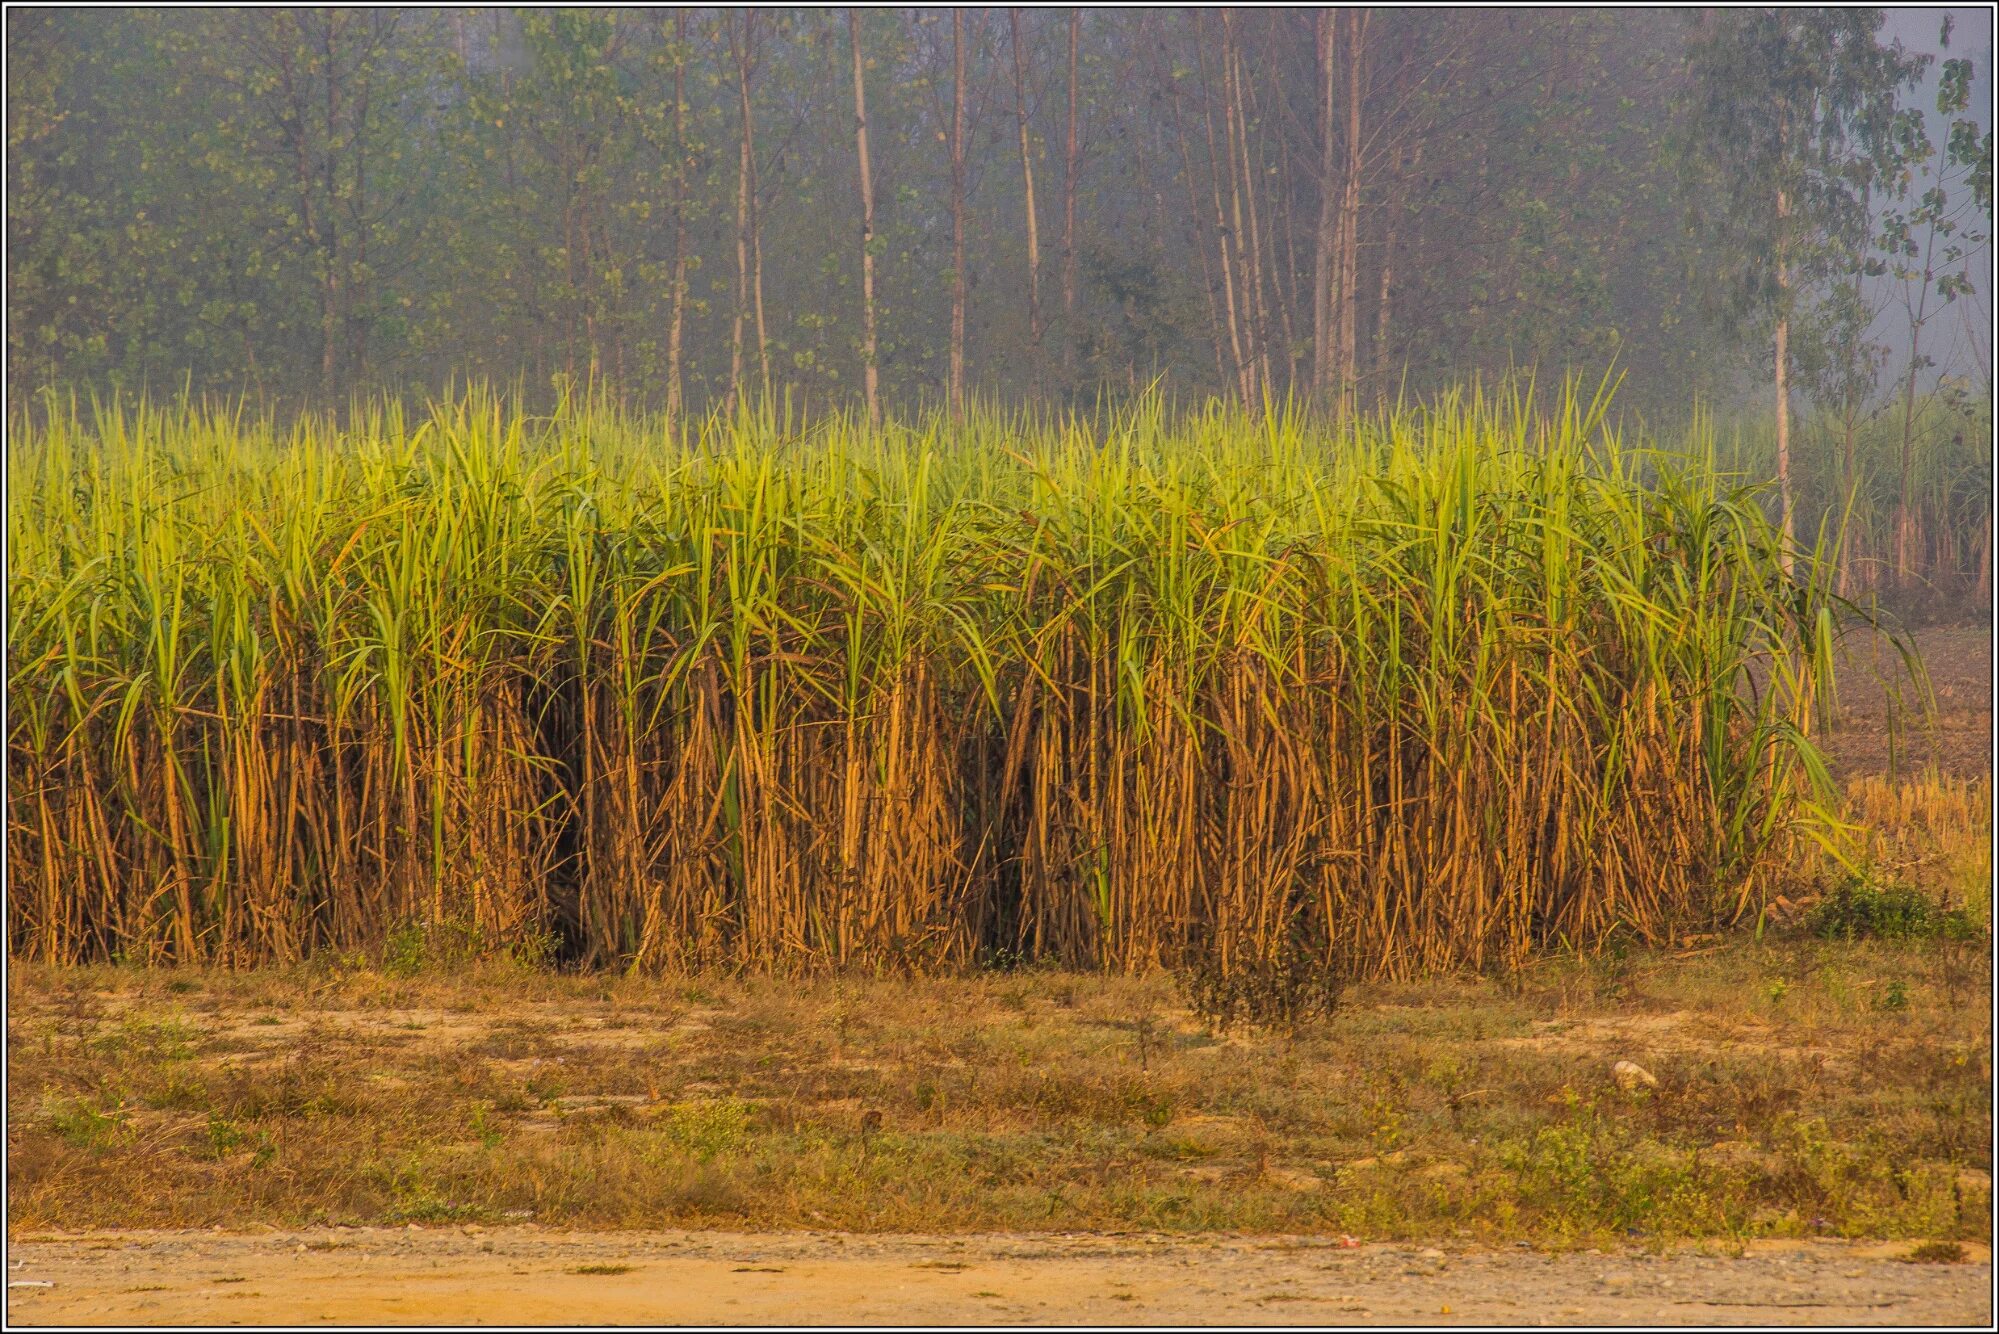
(532, 1276)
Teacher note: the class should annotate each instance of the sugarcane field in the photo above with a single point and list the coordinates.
(1040, 666)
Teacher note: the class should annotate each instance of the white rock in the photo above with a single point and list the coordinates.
(1631, 1075)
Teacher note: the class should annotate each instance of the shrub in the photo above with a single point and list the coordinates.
(1857, 909)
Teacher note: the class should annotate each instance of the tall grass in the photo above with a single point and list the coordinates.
(1433, 690)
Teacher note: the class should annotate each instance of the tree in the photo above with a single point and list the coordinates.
(1788, 116)
(677, 298)
(749, 237)
(868, 342)
(957, 382)
(1069, 188)
(1027, 181)
(1929, 247)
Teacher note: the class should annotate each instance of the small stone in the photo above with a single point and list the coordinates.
(1631, 1076)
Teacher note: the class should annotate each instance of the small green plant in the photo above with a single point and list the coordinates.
(1858, 909)
(1894, 996)
(484, 1130)
(706, 1129)
(1936, 1253)
(82, 1126)
(223, 1136)
(1281, 989)
(535, 947)
(403, 949)
(412, 946)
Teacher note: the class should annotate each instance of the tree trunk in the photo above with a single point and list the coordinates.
(869, 380)
(357, 328)
(1233, 230)
(757, 279)
(1244, 369)
(1905, 506)
(331, 304)
(1323, 236)
(1246, 220)
(1905, 500)
(957, 391)
(1069, 194)
(1200, 245)
(1349, 239)
(676, 322)
(739, 49)
(1383, 308)
(1783, 387)
(1027, 176)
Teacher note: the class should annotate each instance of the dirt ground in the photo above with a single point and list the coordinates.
(1880, 713)
(525, 1275)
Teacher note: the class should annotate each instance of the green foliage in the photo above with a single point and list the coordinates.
(82, 1126)
(707, 1129)
(1857, 909)
(1788, 121)
(1293, 985)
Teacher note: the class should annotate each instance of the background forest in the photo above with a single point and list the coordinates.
(311, 203)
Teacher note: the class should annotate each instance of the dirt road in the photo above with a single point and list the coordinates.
(534, 1276)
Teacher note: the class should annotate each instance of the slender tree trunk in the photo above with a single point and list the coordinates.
(1383, 327)
(869, 378)
(1282, 233)
(1905, 507)
(1323, 236)
(1069, 193)
(1200, 244)
(357, 328)
(1783, 388)
(1234, 230)
(1244, 368)
(1357, 25)
(757, 279)
(676, 322)
(1905, 500)
(957, 391)
(1027, 176)
(331, 308)
(1849, 424)
(1257, 280)
(739, 48)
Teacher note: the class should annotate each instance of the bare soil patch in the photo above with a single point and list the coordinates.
(531, 1276)
(1882, 722)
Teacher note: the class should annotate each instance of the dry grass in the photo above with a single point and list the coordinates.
(1804, 1088)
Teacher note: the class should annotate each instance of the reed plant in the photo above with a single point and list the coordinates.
(1433, 689)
